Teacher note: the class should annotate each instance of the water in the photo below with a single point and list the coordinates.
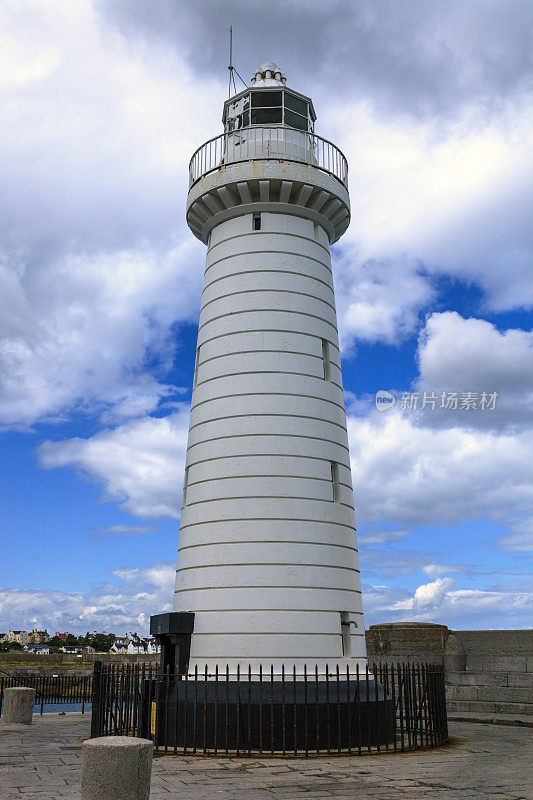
(56, 708)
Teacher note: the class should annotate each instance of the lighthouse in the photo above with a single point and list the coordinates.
(267, 571)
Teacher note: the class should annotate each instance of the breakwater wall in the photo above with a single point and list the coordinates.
(486, 671)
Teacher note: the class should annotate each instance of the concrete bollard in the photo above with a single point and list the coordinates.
(18, 705)
(116, 768)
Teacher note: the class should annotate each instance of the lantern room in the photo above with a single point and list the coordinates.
(269, 102)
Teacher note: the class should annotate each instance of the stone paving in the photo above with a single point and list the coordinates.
(482, 762)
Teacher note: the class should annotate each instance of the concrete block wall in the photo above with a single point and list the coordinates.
(490, 671)
(487, 672)
(65, 664)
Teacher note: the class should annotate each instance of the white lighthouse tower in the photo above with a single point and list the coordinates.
(267, 558)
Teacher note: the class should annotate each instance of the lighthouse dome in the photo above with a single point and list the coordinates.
(268, 74)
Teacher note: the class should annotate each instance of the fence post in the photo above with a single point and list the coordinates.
(96, 715)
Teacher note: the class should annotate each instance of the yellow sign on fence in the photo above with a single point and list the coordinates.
(152, 718)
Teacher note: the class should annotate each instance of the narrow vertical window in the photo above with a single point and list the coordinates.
(335, 482)
(325, 360)
(185, 482)
(345, 634)
(256, 222)
(316, 230)
(195, 380)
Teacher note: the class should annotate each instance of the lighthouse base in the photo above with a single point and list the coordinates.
(267, 717)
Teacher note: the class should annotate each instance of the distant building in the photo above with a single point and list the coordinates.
(120, 645)
(133, 644)
(38, 637)
(63, 636)
(18, 636)
(38, 649)
(3, 637)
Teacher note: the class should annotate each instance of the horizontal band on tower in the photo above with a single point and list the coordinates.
(270, 330)
(273, 611)
(298, 588)
(266, 394)
(272, 291)
(273, 435)
(267, 272)
(257, 236)
(230, 353)
(217, 520)
(289, 311)
(262, 476)
(267, 541)
(227, 564)
(252, 414)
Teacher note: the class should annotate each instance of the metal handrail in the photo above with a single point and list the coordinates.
(275, 143)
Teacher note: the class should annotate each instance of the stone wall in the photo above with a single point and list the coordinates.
(65, 663)
(486, 671)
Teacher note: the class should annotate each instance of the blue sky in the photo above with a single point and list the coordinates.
(101, 281)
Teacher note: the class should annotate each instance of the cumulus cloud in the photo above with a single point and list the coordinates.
(378, 300)
(427, 202)
(112, 607)
(438, 601)
(410, 475)
(96, 263)
(140, 464)
(461, 355)
(424, 57)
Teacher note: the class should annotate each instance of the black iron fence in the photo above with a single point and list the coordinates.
(63, 690)
(383, 708)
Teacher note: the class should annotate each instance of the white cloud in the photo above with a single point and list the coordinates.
(116, 608)
(140, 463)
(408, 475)
(431, 199)
(435, 568)
(521, 541)
(77, 336)
(378, 300)
(439, 602)
(457, 354)
(382, 535)
(96, 263)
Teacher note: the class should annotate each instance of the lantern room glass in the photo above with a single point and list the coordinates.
(275, 107)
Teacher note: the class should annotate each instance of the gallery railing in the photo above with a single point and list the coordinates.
(57, 690)
(393, 708)
(277, 143)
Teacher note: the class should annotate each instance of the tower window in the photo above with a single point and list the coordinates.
(345, 634)
(185, 482)
(256, 222)
(195, 379)
(315, 231)
(325, 360)
(336, 489)
(266, 108)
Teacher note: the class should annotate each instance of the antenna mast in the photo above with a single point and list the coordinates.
(232, 70)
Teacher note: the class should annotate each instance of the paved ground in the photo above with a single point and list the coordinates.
(482, 762)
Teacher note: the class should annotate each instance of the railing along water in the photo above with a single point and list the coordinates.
(386, 707)
(277, 143)
(57, 690)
